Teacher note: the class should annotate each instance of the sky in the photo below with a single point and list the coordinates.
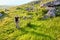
(14, 2)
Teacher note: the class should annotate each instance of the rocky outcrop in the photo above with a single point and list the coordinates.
(1, 15)
(50, 6)
(36, 2)
(51, 12)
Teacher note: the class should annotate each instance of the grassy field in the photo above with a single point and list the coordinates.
(30, 28)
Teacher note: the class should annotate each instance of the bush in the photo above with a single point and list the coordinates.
(29, 24)
(18, 8)
(3, 14)
(57, 13)
(44, 12)
(29, 13)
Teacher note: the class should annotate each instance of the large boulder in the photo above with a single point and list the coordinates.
(36, 2)
(51, 7)
(1, 14)
(56, 3)
(51, 4)
(47, 4)
(48, 8)
(51, 12)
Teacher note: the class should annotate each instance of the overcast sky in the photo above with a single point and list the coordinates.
(14, 2)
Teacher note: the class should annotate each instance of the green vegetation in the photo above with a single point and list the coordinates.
(31, 28)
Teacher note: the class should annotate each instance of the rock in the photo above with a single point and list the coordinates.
(46, 5)
(51, 4)
(45, 17)
(30, 9)
(57, 10)
(51, 12)
(27, 9)
(48, 8)
(56, 3)
(57, 0)
(36, 2)
(1, 14)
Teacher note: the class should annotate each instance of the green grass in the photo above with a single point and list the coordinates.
(31, 29)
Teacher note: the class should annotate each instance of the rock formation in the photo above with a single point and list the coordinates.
(1, 14)
(50, 6)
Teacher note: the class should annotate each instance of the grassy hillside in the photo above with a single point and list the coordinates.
(32, 28)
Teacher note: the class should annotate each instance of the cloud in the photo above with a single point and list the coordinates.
(13, 2)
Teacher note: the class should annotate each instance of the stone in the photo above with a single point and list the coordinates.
(51, 7)
(48, 8)
(27, 9)
(51, 12)
(36, 2)
(51, 4)
(57, 10)
(45, 17)
(1, 14)
(56, 3)
(46, 4)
